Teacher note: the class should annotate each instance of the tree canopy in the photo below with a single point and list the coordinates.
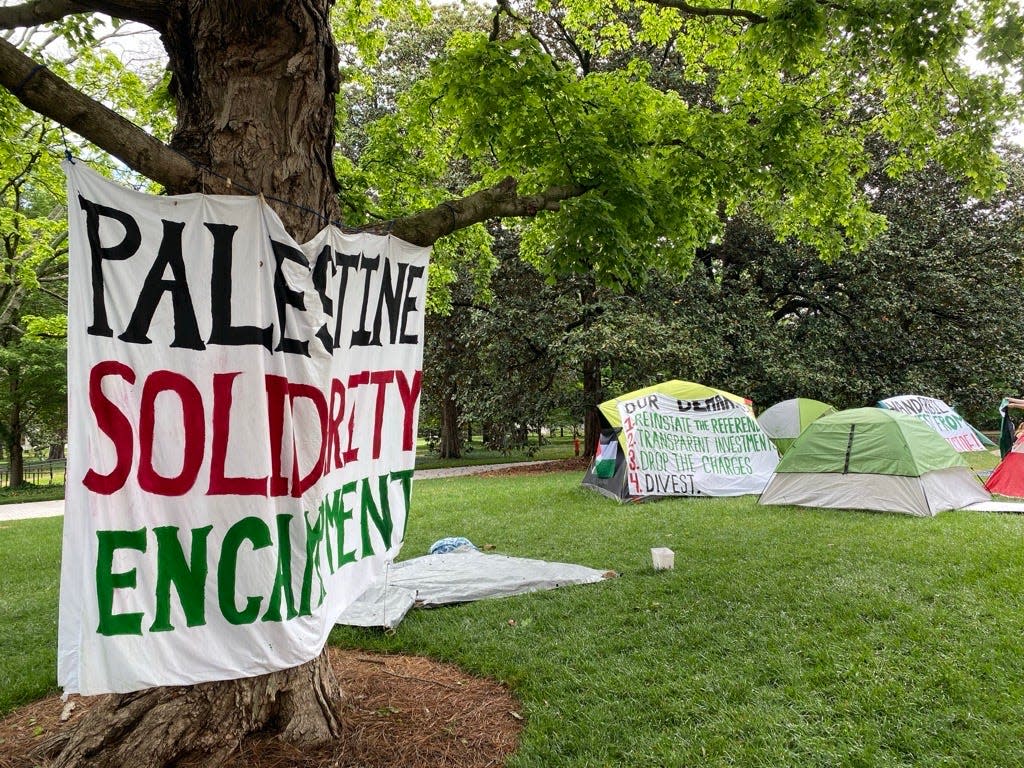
(553, 115)
(931, 306)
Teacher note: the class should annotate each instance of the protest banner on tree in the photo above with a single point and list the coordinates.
(243, 415)
(708, 447)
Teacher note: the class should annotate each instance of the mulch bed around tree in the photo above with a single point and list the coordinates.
(562, 465)
(398, 711)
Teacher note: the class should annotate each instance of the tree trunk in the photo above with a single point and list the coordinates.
(204, 723)
(450, 447)
(522, 434)
(593, 395)
(254, 85)
(15, 434)
(57, 448)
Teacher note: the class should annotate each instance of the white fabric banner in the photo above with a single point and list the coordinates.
(242, 431)
(710, 447)
(939, 416)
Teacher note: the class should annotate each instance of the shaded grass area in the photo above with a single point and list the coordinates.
(784, 636)
(29, 493)
(553, 448)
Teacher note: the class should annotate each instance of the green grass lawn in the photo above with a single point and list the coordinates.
(980, 460)
(784, 636)
(554, 448)
(29, 588)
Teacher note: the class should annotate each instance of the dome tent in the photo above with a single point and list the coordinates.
(874, 459)
(1007, 479)
(785, 420)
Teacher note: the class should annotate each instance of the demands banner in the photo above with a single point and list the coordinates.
(242, 431)
(710, 447)
(940, 417)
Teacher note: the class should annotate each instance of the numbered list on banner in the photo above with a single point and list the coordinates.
(708, 447)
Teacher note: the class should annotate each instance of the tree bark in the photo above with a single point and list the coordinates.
(202, 724)
(255, 85)
(502, 200)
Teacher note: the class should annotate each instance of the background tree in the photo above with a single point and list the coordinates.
(32, 390)
(33, 259)
(930, 307)
(33, 234)
(517, 375)
(616, 172)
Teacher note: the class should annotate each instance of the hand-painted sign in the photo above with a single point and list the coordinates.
(709, 447)
(940, 417)
(242, 431)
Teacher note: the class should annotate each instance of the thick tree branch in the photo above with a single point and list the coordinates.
(691, 10)
(42, 91)
(149, 12)
(37, 12)
(500, 201)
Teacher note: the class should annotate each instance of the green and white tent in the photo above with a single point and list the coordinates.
(874, 459)
(784, 421)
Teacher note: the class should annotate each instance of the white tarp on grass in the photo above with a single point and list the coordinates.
(997, 506)
(459, 577)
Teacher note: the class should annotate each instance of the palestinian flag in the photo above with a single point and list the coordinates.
(604, 462)
(1006, 429)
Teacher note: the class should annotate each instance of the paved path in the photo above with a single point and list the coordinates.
(32, 509)
(56, 508)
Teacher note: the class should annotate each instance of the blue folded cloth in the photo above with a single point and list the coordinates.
(450, 544)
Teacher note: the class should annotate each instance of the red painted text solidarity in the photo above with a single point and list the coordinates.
(335, 408)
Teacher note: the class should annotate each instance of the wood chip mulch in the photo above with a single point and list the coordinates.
(398, 712)
(563, 465)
